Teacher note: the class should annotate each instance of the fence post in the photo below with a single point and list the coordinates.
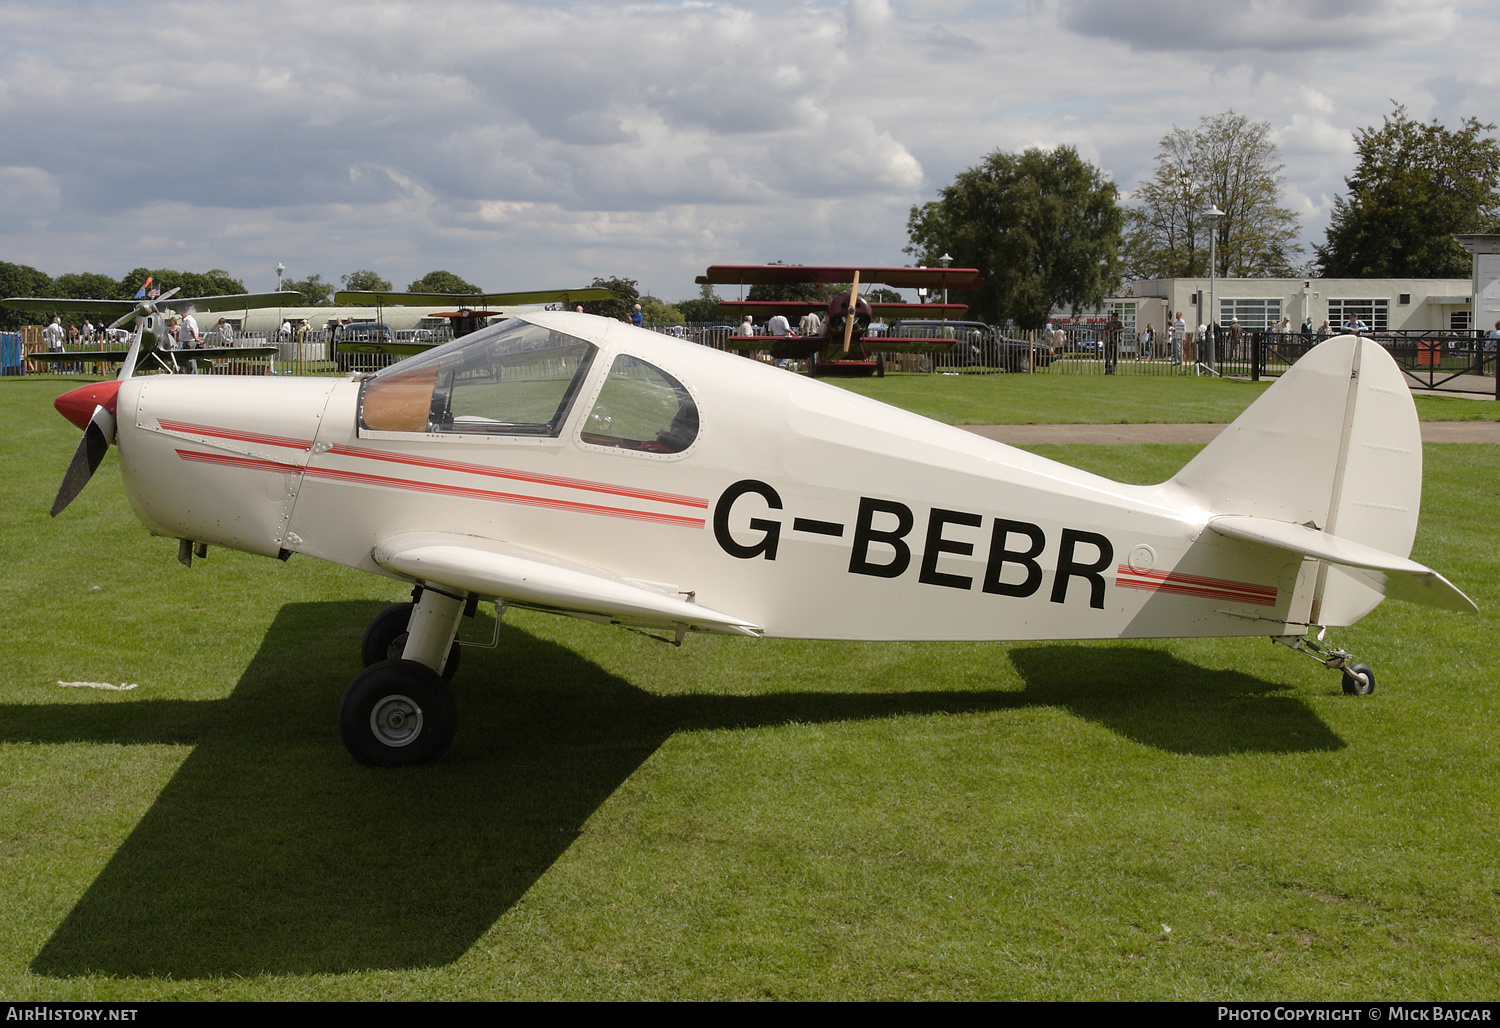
(1257, 339)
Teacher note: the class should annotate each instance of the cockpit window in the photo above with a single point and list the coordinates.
(641, 407)
(514, 379)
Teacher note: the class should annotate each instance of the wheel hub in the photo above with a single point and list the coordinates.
(396, 720)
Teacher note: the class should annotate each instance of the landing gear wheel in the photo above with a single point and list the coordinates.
(385, 639)
(812, 365)
(880, 365)
(396, 713)
(1358, 680)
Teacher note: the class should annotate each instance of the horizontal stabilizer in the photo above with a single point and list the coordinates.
(1397, 577)
(489, 568)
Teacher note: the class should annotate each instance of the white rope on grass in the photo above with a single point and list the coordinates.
(122, 687)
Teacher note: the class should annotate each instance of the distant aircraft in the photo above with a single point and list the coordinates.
(152, 342)
(842, 347)
(583, 466)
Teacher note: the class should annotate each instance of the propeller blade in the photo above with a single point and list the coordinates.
(132, 355)
(86, 459)
(124, 318)
(853, 309)
(169, 294)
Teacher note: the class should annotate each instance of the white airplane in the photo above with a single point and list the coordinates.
(569, 463)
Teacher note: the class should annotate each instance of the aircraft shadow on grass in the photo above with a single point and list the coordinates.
(269, 851)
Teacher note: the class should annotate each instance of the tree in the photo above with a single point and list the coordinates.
(659, 312)
(22, 280)
(87, 285)
(1416, 185)
(192, 283)
(627, 295)
(367, 281)
(315, 292)
(702, 308)
(1043, 227)
(1228, 162)
(442, 282)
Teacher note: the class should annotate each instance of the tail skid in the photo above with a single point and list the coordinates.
(1327, 464)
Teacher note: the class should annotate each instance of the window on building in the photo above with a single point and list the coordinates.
(1376, 314)
(1460, 321)
(1124, 311)
(1251, 314)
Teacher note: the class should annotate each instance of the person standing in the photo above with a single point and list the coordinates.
(53, 335)
(810, 326)
(226, 333)
(778, 326)
(1179, 330)
(636, 318)
(1112, 332)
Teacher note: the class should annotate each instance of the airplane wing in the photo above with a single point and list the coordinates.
(797, 308)
(1398, 577)
(42, 305)
(529, 579)
(366, 297)
(213, 353)
(78, 356)
(234, 302)
(783, 274)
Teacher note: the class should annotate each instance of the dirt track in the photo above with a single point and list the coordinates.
(1026, 435)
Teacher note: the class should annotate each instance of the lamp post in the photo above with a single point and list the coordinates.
(1213, 214)
(280, 270)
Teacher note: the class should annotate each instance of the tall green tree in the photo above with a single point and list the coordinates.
(315, 292)
(1042, 226)
(367, 280)
(442, 282)
(627, 295)
(88, 285)
(193, 283)
(22, 280)
(1230, 162)
(1416, 185)
(703, 307)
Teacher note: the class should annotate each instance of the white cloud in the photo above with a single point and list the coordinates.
(522, 144)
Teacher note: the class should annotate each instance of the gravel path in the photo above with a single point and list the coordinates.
(1026, 435)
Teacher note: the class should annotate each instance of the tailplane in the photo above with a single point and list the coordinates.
(1328, 464)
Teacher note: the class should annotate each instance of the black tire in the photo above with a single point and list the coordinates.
(1358, 680)
(880, 365)
(812, 365)
(385, 639)
(397, 713)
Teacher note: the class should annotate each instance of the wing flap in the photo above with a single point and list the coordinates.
(1398, 577)
(489, 568)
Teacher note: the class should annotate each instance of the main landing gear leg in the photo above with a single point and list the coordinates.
(400, 711)
(1358, 679)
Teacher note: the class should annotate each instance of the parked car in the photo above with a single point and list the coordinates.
(350, 342)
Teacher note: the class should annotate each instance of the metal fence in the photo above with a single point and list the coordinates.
(1453, 361)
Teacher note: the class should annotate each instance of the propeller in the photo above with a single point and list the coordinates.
(853, 309)
(96, 403)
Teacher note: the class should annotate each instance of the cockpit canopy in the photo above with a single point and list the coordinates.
(522, 379)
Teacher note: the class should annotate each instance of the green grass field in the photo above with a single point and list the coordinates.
(1099, 400)
(737, 819)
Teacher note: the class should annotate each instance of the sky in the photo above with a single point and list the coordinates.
(539, 145)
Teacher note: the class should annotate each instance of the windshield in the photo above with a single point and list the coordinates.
(513, 379)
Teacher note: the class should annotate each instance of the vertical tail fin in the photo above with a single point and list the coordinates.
(1333, 444)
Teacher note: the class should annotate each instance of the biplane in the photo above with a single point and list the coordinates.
(582, 466)
(843, 344)
(152, 343)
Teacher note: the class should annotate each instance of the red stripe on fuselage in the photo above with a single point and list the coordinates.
(462, 492)
(519, 476)
(1195, 585)
(234, 433)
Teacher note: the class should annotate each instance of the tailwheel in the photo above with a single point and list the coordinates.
(385, 639)
(1358, 680)
(397, 713)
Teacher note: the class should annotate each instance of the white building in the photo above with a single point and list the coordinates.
(1384, 304)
